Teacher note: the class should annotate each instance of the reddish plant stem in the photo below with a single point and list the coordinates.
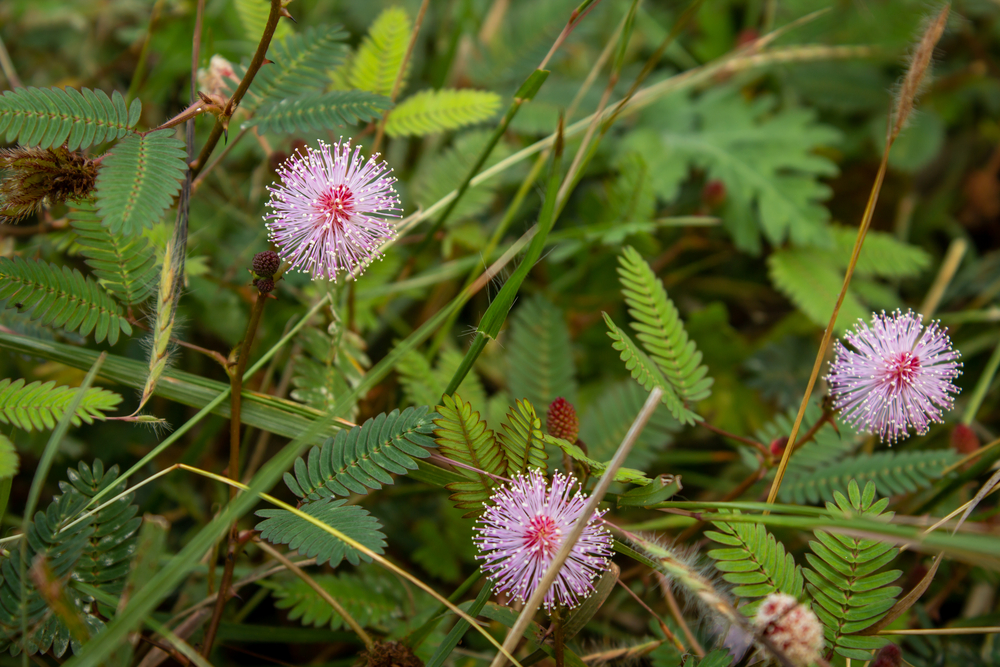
(739, 438)
(255, 65)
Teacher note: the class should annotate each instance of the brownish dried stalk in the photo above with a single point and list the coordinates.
(914, 80)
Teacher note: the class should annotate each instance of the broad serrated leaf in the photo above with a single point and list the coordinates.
(138, 181)
(311, 541)
(765, 156)
(463, 436)
(882, 255)
(41, 406)
(377, 61)
(125, 266)
(432, 111)
(49, 117)
(60, 297)
(540, 355)
(365, 457)
(320, 111)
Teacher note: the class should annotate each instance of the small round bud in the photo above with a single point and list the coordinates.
(793, 628)
(265, 264)
(265, 285)
(562, 421)
(888, 656)
(778, 446)
(713, 195)
(964, 440)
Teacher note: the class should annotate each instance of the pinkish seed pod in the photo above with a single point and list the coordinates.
(792, 627)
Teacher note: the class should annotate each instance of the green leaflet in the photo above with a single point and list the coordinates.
(462, 435)
(540, 354)
(39, 406)
(319, 111)
(253, 16)
(755, 562)
(522, 439)
(311, 541)
(424, 385)
(138, 181)
(850, 591)
(376, 64)
(49, 117)
(60, 297)
(363, 458)
(125, 266)
(97, 551)
(604, 423)
(765, 156)
(659, 328)
(433, 111)
(333, 363)
(894, 471)
(370, 598)
(299, 65)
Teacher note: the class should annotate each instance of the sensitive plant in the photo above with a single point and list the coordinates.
(204, 263)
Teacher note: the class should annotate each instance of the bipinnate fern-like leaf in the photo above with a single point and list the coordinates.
(659, 328)
(321, 111)
(138, 181)
(334, 363)
(608, 418)
(893, 471)
(97, 551)
(432, 111)
(755, 562)
(462, 435)
(361, 459)
(125, 266)
(377, 61)
(60, 297)
(40, 406)
(253, 17)
(522, 439)
(368, 597)
(299, 66)
(424, 385)
(847, 584)
(49, 117)
(646, 372)
(311, 541)
(540, 354)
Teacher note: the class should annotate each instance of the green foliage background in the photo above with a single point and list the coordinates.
(698, 244)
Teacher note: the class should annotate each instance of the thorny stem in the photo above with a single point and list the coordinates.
(236, 383)
(196, 109)
(255, 65)
(225, 151)
(236, 543)
(398, 83)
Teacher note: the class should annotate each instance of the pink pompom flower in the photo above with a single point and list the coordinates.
(524, 528)
(331, 209)
(894, 375)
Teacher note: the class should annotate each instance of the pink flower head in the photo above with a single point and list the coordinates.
(523, 530)
(895, 374)
(330, 210)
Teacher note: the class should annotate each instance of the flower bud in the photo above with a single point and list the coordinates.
(265, 264)
(888, 656)
(265, 285)
(562, 421)
(40, 177)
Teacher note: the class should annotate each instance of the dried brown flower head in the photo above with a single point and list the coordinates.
(34, 178)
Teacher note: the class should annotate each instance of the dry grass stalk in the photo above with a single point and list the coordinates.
(914, 79)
